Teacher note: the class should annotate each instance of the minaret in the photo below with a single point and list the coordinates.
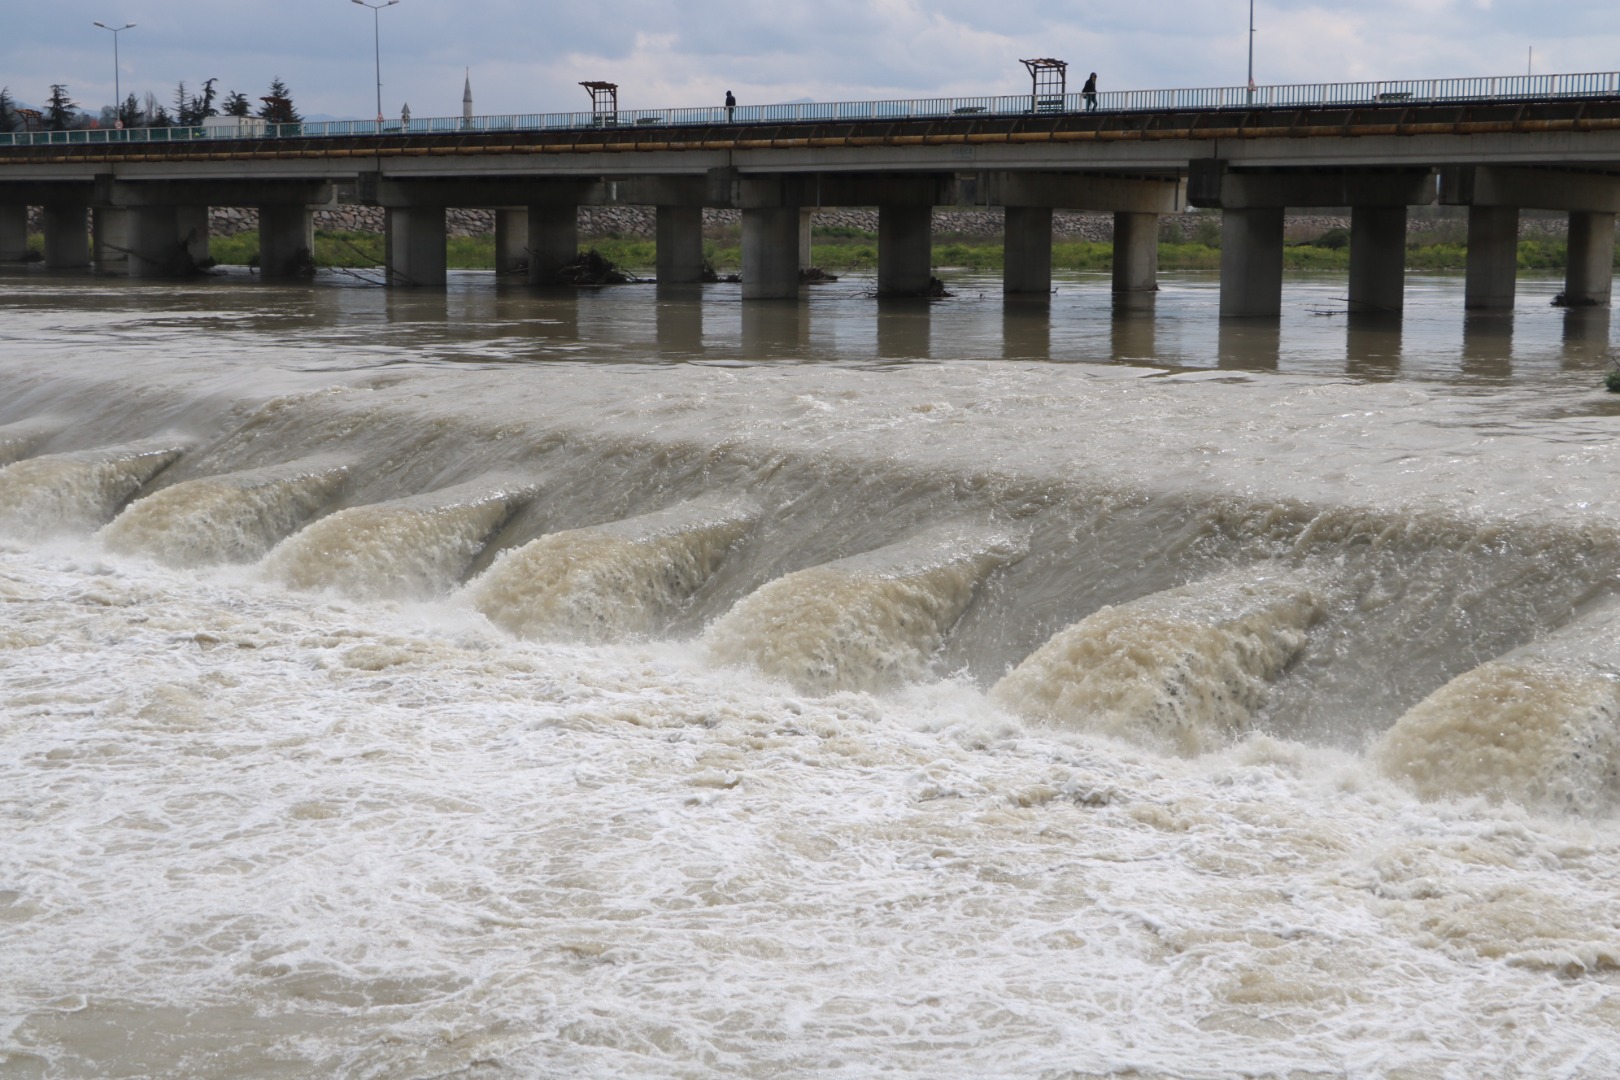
(466, 100)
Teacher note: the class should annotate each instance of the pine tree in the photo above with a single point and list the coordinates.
(205, 107)
(130, 111)
(8, 110)
(182, 105)
(237, 104)
(278, 105)
(62, 110)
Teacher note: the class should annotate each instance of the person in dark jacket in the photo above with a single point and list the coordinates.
(1089, 91)
(731, 106)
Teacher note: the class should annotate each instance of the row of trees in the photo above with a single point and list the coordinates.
(62, 113)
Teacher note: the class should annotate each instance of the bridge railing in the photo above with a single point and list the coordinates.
(1400, 91)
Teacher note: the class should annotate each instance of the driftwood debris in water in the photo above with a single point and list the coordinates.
(590, 268)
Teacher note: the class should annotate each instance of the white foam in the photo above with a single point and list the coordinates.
(1178, 671)
(1539, 726)
(231, 518)
(21, 439)
(77, 491)
(409, 548)
(608, 582)
(869, 622)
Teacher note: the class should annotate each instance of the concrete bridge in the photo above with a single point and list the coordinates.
(1493, 146)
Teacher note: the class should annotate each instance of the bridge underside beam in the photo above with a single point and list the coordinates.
(13, 233)
(1078, 191)
(113, 191)
(414, 239)
(1529, 189)
(1212, 184)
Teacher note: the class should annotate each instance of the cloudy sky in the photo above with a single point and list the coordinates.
(529, 55)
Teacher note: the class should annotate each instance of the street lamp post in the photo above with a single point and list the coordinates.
(1251, 50)
(118, 97)
(376, 43)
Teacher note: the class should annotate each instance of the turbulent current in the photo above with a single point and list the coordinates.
(631, 685)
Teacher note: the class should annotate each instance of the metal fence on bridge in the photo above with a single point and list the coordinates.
(1402, 91)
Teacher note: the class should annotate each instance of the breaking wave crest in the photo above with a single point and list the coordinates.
(1178, 671)
(232, 518)
(78, 491)
(607, 582)
(409, 548)
(869, 622)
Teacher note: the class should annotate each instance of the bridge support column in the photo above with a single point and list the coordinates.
(415, 239)
(511, 241)
(680, 245)
(553, 241)
(156, 249)
(1377, 258)
(1589, 277)
(1251, 262)
(13, 233)
(1493, 257)
(110, 234)
(67, 237)
(905, 250)
(1136, 259)
(770, 256)
(286, 242)
(807, 216)
(1026, 251)
(191, 225)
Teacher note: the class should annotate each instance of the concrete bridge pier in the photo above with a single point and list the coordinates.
(1027, 251)
(906, 250)
(1493, 258)
(511, 240)
(13, 233)
(67, 237)
(1251, 262)
(553, 241)
(1494, 196)
(680, 245)
(109, 230)
(414, 238)
(191, 225)
(770, 253)
(1377, 258)
(1253, 203)
(286, 242)
(1136, 259)
(1589, 276)
(156, 247)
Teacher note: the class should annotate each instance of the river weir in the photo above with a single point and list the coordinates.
(642, 684)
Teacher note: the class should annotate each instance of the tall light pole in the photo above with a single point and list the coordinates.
(1251, 50)
(376, 41)
(118, 97)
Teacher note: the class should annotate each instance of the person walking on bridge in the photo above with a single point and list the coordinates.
(731, 106)
(1089, 91)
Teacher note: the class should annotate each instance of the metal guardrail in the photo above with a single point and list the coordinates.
(1402, 91)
